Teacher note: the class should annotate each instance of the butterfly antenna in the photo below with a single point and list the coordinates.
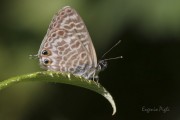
(114, 58)
(110, 50)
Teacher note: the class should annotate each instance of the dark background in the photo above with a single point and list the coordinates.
(146, 78)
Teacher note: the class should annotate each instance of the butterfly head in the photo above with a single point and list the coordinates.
(102, 65)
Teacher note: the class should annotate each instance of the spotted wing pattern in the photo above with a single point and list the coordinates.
(67, 46)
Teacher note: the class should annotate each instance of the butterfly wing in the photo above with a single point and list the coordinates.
(67, 46)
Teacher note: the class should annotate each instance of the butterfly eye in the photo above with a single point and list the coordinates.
(46, 52)
(47, 62)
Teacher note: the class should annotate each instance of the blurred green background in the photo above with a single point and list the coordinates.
(147, 77)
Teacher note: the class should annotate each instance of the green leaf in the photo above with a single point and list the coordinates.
(66, 78)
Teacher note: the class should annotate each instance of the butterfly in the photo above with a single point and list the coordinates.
(67, 47)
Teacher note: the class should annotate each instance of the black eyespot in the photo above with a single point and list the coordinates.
(46, 61)
(46, 52)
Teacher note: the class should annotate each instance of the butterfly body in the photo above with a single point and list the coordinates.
(67, 46)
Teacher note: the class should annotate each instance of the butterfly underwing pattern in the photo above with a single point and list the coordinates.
(67, 46)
